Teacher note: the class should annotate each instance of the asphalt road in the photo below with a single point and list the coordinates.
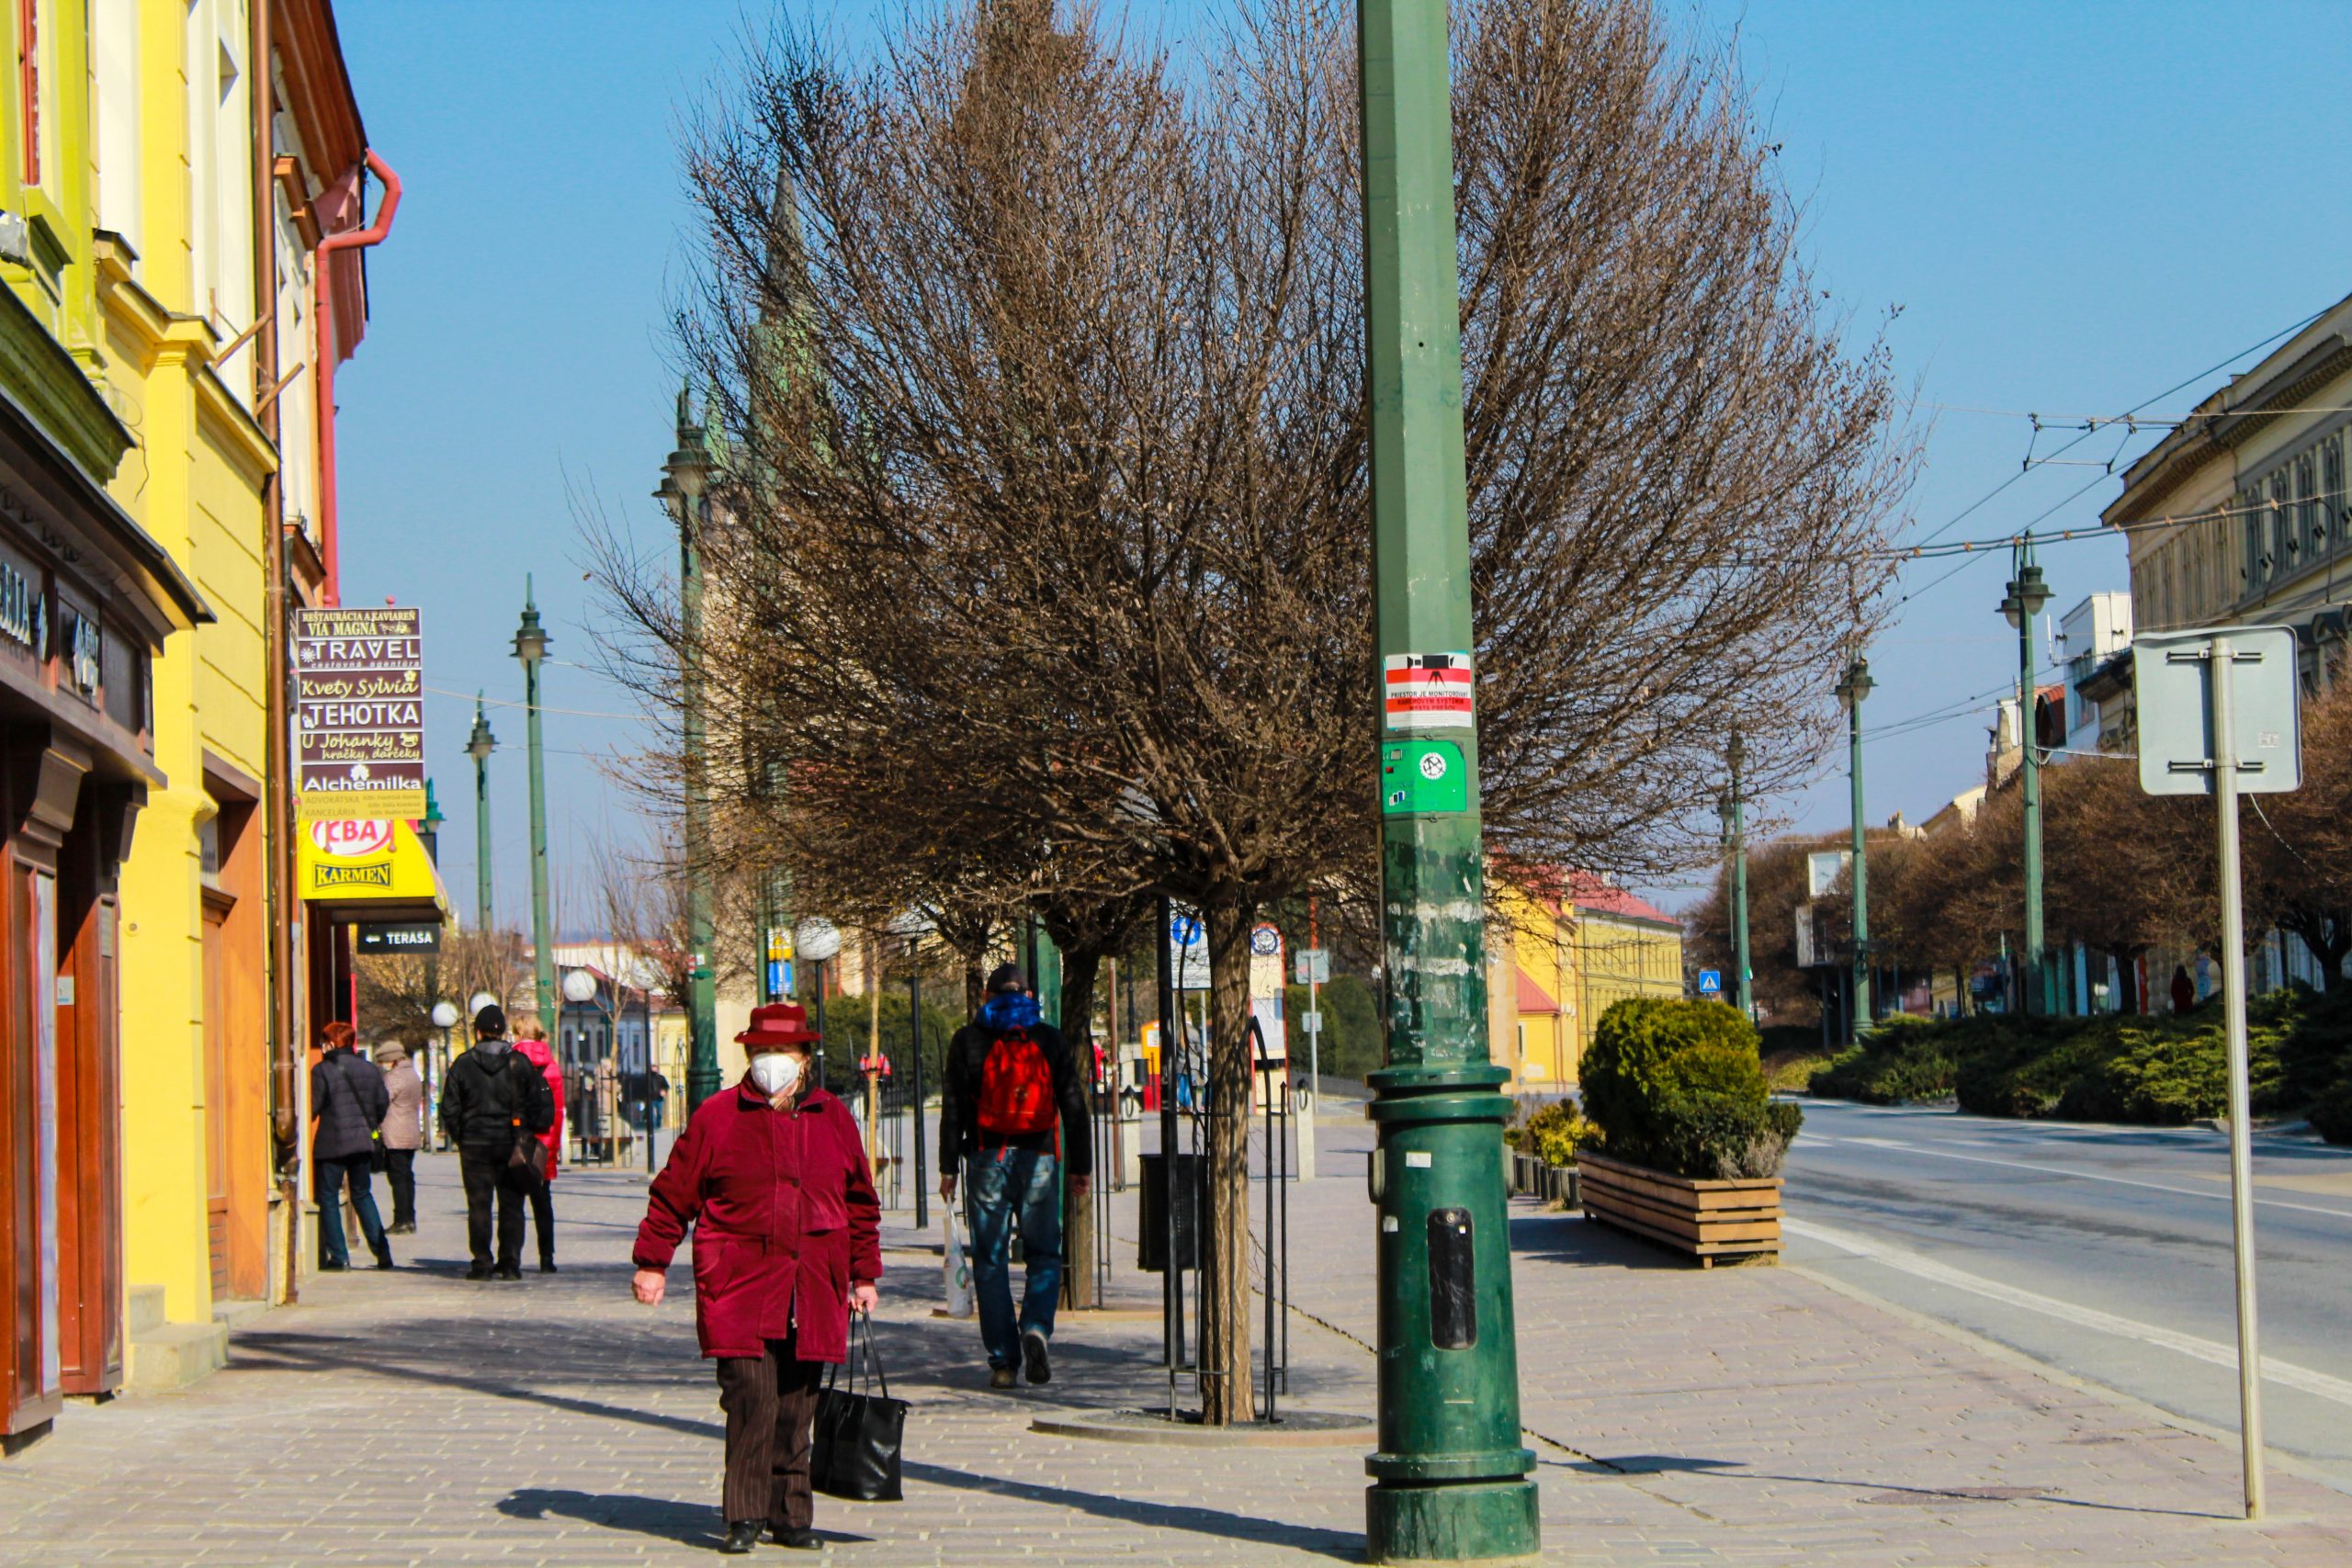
(2102, 1251)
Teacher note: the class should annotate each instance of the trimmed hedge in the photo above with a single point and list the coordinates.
(2157, 1071)
(1679, 1087)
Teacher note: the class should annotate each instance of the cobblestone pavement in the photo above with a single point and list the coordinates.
(1753, 1416)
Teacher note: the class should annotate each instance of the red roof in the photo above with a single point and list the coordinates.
(1605, 897)
(1531, 997)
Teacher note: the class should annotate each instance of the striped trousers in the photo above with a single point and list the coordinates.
(770, 1403)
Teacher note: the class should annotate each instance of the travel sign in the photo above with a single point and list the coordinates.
(360, 716)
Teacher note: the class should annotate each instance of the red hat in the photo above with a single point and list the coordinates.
(777, 1026)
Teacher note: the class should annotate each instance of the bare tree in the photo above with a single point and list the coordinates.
(1039, 571)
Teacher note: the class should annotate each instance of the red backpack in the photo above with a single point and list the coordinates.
(1016, 1087)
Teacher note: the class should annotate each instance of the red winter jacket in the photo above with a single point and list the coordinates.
(785, 1220)
(537, 1052)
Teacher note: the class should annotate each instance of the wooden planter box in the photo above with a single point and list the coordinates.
(1709, 1220)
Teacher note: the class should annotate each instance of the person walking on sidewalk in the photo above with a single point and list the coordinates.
(787, 1241)
(348, 1100)
(493, 1108)
(403, 1132)
(531, 1040)
(1010, 1080)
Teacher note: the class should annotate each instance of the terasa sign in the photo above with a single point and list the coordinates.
(1428, 690)
(359, 714)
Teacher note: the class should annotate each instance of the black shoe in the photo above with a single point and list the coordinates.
(1000, 1377)
(403, 1227)
(1033, 1365)
(477, 1273)
(515, 1273)
(547, 1265)
(334, 1267)
(741, 1536)
(385, 1261)
(798, 1539)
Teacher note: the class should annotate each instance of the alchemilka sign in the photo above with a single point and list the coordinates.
(360, 716)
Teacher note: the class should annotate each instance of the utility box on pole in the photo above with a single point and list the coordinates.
(1450, 1480)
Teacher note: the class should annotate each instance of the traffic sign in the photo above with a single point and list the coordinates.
(1188, 935)
(2172, 691)
(1711, 982)
(1311, 966)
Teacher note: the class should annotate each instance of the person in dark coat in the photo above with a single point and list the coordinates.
(347, 1103)
(1013, 1106)
(493, 1108)
(788, 1240)
(2183, 990)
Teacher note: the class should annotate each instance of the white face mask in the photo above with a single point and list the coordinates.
(775, 1073)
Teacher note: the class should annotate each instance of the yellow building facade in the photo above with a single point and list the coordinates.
(1561, 950)
(172, 155)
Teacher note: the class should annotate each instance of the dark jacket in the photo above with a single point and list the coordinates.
(959, 1100)
(785, 1220)
(348, 1097)
(494, 1094)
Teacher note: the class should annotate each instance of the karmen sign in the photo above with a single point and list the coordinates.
(360, 716)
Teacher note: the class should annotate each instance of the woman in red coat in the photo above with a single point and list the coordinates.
(788, 1239)
(531, 1040)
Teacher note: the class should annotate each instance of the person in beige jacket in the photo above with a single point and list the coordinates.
(403, 1132)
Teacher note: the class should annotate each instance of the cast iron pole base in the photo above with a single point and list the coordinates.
(1469, 1522)
(1451, 1478)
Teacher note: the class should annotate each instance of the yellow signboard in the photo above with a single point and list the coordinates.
(370, 861)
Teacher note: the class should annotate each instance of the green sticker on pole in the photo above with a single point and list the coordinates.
(1423, 778)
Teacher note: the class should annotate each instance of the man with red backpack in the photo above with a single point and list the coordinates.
(1013, 1109)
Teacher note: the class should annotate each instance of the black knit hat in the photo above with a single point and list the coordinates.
(1007, 980)
(490, 1022)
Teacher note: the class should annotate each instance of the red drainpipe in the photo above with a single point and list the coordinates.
(323, 297)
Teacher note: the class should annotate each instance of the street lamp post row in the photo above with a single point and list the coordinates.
(1851, 691)
(2023, 603)
(480, 744)
(531, 648)
(686, 477)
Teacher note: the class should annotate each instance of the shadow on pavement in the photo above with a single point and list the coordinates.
(1337, 1544)
(688, 1524)
(1871, 1491)
(1571, 1239)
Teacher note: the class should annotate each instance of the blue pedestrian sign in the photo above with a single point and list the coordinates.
(1711, 982)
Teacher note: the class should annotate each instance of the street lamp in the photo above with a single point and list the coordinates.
(2024, 600)
(1853, 690)
(480, 744)
(686, 477)
(445, 1018)
(818, 941)
(531, 648)
(579, 988)
(1737, 819)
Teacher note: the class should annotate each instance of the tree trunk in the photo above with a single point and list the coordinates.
(1080, 1282)
(1225, 1274)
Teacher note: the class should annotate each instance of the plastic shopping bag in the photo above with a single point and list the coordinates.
(955, 1272)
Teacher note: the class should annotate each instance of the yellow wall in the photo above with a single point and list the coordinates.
(195, 483)
(1540, 1048)
(1619, 956)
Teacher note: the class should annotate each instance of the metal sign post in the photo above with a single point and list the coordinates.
(2219, 711)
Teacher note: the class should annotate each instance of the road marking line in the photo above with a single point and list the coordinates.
(2285, 1373)
(2093, 1176)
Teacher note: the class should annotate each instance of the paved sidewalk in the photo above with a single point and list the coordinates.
(1747, 1416)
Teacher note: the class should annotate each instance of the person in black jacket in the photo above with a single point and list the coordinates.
(493, 1106)
(1013, 1107)
(347, 1103)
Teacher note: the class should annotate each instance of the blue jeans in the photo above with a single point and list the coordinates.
(328, 1176)
(1008, 1187)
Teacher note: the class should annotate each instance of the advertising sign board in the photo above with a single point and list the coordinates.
(360, 716)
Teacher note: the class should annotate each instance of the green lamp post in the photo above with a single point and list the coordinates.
(531, 648)
(2024, 600)
(1856, 686)
(480, 744)
(686, 477)
(1736, 832)
(1451, 1481)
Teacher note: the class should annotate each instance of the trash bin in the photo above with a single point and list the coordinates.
(1191, 1221)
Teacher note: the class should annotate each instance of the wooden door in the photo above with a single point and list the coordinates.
(220, 1162)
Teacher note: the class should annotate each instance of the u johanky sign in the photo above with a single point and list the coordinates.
(360, 716)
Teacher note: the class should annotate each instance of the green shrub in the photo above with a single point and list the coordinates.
(1555, 1133)
(1677, 1085)
(2331, 1114)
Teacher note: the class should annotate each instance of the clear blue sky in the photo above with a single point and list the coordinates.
(2074, 206)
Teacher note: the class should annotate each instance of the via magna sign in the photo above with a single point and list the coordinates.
(360, 716)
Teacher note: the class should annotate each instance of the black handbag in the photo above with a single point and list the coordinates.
(858, 1436)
